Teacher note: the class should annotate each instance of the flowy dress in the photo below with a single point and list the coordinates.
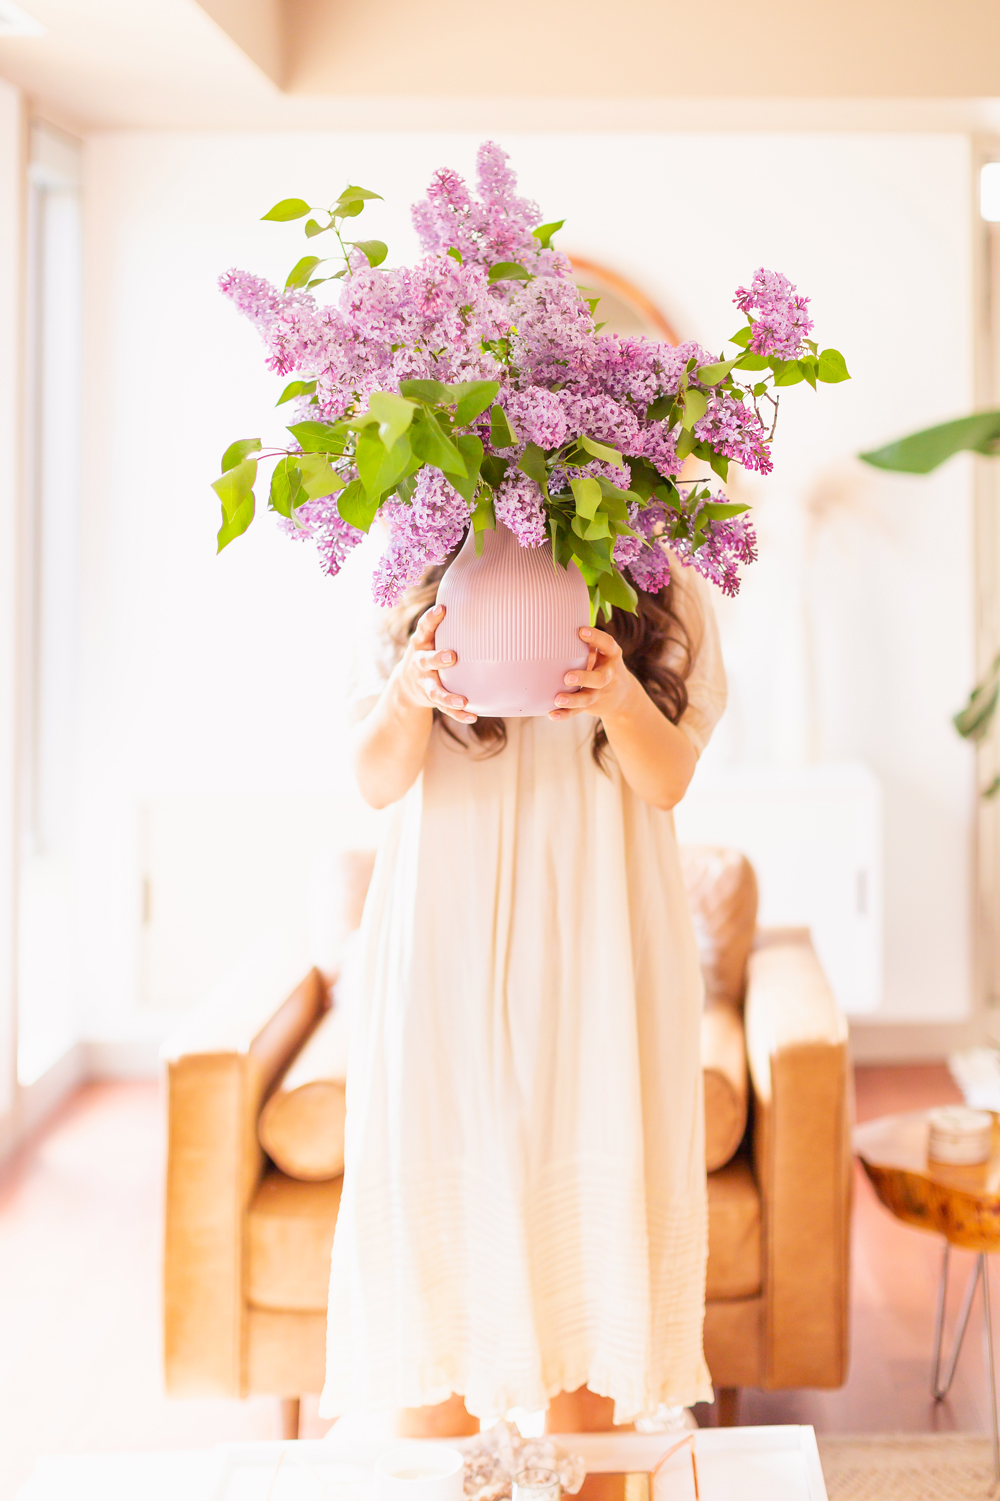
(524, 1200)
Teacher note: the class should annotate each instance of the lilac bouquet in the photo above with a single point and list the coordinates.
(475, 388)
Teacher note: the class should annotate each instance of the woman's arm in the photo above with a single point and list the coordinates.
(656, 758)
(390, 742)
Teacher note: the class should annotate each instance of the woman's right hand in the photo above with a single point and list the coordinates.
(419, 667)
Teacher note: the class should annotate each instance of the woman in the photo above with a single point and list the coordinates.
(523, 1220)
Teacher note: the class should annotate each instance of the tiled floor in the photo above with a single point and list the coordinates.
(79, 1299)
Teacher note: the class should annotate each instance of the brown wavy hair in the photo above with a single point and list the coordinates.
(647, 638)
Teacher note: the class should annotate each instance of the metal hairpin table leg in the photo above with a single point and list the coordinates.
(940, 1387)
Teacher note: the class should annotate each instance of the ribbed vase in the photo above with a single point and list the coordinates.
(513, 619)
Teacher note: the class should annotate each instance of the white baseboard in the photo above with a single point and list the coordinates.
(912, 1042)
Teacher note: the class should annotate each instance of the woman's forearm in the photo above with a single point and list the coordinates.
(390, 745)
(656, 758)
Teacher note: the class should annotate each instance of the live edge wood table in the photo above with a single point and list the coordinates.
(961, 1204)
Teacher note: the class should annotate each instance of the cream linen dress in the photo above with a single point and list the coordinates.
(524, 1206)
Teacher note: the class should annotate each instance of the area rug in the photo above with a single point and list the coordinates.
(908, 1467)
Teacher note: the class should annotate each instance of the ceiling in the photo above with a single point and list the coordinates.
(368, 64)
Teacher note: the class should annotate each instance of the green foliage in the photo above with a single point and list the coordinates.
(296, 388)
(374, 251)
(288, 208)
(238, 451)
(301, 271)
(832, 366)
(508, 271)
(502, 435)
(543, 234)
(920, 452)
(974, 721)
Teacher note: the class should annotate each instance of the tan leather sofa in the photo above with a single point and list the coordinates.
(248, 1246)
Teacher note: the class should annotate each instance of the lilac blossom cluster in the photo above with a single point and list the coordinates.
(452, 318)
(782, 324)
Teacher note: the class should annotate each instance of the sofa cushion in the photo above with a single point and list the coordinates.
(724, 1063)
(301, 1128)
(722, 893)
(289, 1239)
(734, 1264)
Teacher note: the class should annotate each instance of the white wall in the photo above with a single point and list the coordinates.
(218, 679)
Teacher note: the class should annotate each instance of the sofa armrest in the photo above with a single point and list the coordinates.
(221, 1064)
(797, 1053)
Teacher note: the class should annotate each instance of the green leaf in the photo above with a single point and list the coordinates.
(314, 228)
(471, 449)
(318, 478)
(599, 527)
(686, 443)
(695, 407)
(235, 486)
(742, 336)
(472, 397)
(718, 510)
(502, 435)
(288, 208)
(456, 254)
(236, 524)
(532, 463)
(974, 721)
(660, 408)
(719, 464)
(602, 451)
(393, 414)
(286, 486)
(374, 251)
(483, 519)
(710, 375)
(587, 493)
(355, 507)
(302, 270)
(787, 372)
(508, 271)
(920, 452)
(430, 444)
(296, 388)
(750, 361)
(319, 437)
(543, 234)
(493, 469)
(618, 591)
(760, 389)
(353, 194)
(832, 367)
(238, 451)
(809, 367)
(433, 391)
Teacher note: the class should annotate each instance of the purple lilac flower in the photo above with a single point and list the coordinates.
(726, 545)
(782, 323)
(649, 569)
(734, 429)
(518, 505)
(320, 521)
(421, 534)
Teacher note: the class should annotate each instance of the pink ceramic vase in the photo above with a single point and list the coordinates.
(513, 619)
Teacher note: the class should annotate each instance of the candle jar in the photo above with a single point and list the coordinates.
(536, 1485)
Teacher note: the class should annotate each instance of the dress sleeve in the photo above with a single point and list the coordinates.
(706, 681)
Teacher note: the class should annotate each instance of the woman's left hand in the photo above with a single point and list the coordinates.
(602, 686)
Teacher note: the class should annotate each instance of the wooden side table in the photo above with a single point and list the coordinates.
(962, 1204)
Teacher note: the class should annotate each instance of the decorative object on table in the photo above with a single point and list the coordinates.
(536, 1484)
(475, 389)
(420, 1472)
(494, 1457)
(960, 1203)
(959, 1135)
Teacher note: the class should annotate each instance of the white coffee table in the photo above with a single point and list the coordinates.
(734, 1464)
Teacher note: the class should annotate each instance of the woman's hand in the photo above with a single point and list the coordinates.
(603, 686)
(419, 667)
